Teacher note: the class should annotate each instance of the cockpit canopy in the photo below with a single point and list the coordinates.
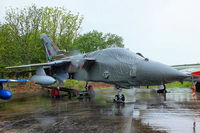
(139, 54)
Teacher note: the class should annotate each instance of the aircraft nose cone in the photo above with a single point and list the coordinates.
(156, 73)
(170, 74)
(173, 74)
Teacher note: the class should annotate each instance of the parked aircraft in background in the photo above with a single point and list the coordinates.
(6, 94)
(117, 66)
(193, 70)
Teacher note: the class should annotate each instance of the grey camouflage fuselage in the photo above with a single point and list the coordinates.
(124, 68)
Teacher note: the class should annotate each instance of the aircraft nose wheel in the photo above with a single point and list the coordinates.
(119, 98)
(162, 90)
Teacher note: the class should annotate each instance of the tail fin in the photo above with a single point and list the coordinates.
(52, 51)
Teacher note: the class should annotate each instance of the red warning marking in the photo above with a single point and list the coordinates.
(196, 73)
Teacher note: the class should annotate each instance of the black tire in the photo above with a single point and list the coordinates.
(123, 97)
(117, 97)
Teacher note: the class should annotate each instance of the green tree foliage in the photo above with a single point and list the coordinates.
(20, 33)
(95, 40)
(8, 46)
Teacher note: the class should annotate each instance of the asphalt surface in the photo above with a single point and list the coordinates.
(145, 111)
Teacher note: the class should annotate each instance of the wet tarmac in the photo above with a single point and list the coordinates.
(145, 112)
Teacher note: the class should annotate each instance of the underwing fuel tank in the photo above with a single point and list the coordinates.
(5, 94)
(41, 78)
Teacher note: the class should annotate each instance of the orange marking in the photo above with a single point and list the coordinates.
(193, 88)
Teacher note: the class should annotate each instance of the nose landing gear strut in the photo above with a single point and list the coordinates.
(162, 90)
(119, 98)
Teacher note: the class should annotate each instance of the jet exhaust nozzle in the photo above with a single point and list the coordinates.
(5, 94)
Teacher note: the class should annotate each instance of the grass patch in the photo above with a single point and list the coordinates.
(179, 85)
(103, 88)
(80, 85)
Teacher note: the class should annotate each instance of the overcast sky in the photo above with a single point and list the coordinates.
(167, 31)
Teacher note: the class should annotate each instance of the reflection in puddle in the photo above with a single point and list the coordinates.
(145, 111)
(175, 115)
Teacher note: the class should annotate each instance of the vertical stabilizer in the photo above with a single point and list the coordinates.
(51, 50)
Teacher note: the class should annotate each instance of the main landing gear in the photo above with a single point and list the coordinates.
(119, 98)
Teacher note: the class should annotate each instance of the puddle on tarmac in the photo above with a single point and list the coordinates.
(177, 112)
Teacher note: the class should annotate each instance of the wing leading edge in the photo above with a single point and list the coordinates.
(87, 63)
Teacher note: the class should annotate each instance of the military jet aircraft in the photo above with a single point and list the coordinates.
(118, 66)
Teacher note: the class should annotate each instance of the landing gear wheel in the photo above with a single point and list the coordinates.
(119, 99)
(116, 98)
(162, 90)
(122, 97)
